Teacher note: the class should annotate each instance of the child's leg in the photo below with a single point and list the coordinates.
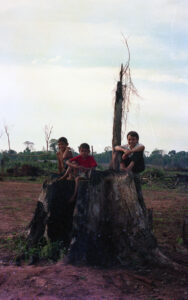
(75, 189)
(112, 163)
(116, 160)
(122, 166)
(66, 174)
(73, 172)
(70, 172)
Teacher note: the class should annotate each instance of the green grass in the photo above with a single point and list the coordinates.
(163, 185)
(16, 244)
(179, 240)
(154, 186)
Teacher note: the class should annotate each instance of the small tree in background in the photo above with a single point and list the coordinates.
(107, 149)
(47, 132)
(29, 146)
(7, 134)
(53, 145)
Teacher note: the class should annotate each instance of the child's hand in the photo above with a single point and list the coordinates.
(126, 153)
(124, 156)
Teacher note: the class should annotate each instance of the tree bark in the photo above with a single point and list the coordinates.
(117, 122)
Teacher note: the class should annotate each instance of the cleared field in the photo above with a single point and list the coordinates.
(58, 281)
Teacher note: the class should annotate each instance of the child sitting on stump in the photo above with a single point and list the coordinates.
(63, 154)
(79, 167)
(133, 160)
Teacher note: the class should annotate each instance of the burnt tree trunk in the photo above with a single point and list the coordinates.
(117, 122)
(107, 225)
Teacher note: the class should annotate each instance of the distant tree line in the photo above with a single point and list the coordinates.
(177, 160)
(172, 160)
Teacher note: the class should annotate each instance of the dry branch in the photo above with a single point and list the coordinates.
(8, 136)
(47, 132)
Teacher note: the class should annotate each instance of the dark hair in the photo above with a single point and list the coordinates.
(133, 134)
(84, 146)
(63, 140)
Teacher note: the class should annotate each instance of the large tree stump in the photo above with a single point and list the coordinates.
(107, 225)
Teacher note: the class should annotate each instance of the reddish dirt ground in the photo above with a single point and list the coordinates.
(60, 281)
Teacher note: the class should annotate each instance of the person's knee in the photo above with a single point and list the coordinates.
(77, 179)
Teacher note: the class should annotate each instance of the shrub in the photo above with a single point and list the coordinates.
(153, 173)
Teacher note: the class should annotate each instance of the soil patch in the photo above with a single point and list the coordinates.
(54, 281)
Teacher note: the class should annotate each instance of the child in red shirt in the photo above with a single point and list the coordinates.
(84, 161)
(81, 165)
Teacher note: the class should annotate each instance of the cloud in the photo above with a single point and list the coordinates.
(160, 118)
(45, 60)
(70, 99)
(78, 103)
(54, 59)
(99, 11)
(160, 77)
(60, 60)
(89, 34)
(34, 61)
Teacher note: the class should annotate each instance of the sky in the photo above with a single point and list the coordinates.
(60, 61)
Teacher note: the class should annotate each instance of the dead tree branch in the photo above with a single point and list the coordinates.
(129, 88)
(47, 132)
(8, 135)
(125, 89)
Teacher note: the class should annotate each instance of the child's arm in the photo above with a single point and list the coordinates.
(60, 166)
(138, 148)
(127, 152)
(67, 153)
(135, 149)
(119, 148)
(73, 165)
